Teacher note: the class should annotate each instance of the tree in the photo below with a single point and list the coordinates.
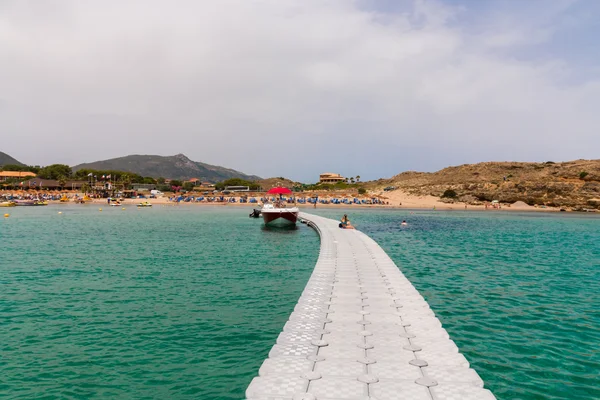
(176, 182)
(352, 180)
(357, 178)
(20, 168)
(62, 181)
(161, 180)
(54, 171)
(450, 194)
(188, 186)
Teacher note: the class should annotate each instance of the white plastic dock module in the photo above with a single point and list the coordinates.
(361, 331)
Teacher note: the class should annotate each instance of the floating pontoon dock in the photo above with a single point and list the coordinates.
(361, 331)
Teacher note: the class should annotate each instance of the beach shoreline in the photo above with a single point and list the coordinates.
(396, 200)
(413, 206)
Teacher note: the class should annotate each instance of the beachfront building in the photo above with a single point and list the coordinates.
(207, 186)
(238, 188)
(51, 184)
(15, 175)
(329, 177)
(143, 186)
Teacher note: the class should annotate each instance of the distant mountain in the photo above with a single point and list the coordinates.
(5, 159)
(170, 167)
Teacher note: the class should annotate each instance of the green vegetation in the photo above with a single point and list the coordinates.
(327, 186)
(188, 186)
(21, 168)
(238, 182)
(449, 194)
(583, 174)
(55, 171)
(118, 176)
(362, 191)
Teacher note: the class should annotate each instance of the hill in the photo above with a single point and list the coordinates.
(5, 159)
(572, 184)
(173, 167)
(269, 183)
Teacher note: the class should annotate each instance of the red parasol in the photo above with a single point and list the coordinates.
(279, 190)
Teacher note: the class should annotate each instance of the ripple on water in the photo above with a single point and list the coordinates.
(186, 303)
(162, 304)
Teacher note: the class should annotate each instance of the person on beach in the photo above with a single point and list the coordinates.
(345, 224)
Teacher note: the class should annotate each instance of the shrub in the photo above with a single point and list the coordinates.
(583, 174)
(362, 190)
(450, 194)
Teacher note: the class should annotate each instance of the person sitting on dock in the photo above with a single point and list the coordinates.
(345, 224)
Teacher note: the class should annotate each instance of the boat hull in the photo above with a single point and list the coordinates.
(280, 217)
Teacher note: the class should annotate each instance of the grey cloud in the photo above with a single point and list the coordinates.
(278, 88)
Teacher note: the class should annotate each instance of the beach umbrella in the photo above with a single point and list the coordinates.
(279, 190)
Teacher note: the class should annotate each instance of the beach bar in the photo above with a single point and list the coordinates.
(361, 331)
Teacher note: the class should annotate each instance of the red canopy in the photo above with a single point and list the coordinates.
(279, 190)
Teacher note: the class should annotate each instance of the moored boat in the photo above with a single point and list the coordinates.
(277, 213)
(23, 203)
(279, 216)
(144, 204)
(8, 204)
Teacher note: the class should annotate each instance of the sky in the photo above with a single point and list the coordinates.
(297, 88)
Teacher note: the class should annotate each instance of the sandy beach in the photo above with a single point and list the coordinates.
(396, 199)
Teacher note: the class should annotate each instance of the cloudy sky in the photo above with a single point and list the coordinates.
(294, 88)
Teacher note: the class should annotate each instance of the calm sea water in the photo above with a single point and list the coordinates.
(185, 302)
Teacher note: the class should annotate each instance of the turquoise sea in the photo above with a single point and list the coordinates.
(185, 302)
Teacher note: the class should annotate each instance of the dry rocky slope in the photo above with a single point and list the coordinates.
(572, 184)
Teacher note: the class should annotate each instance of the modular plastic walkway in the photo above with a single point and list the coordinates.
(361, 331)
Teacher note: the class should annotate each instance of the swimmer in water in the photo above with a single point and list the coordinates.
(404, 222)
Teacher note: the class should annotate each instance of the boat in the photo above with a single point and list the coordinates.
(83, 200)
(8, 204)
(277, 213)
(144, 204)
(30, 203)
(64, 199)
(115, 203)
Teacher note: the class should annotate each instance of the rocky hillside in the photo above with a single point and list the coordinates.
(269, 183)
(173, 167)
(572, 184)
(5, 159)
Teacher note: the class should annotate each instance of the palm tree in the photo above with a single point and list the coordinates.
(352, 180)
(62, 181)
(357, 178)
